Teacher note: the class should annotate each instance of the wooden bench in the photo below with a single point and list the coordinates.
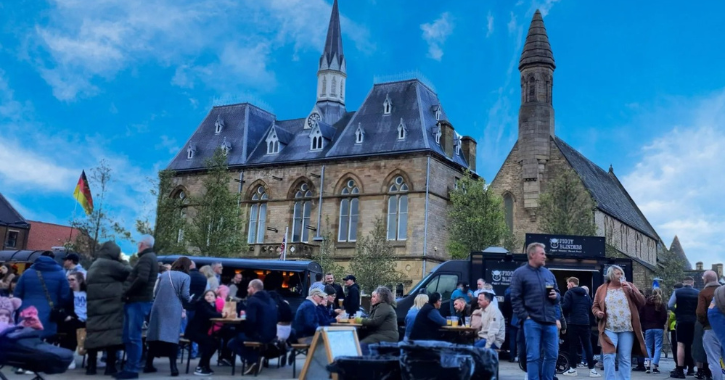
(298, 349)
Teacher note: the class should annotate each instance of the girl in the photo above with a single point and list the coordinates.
(198, 331)
(78, 314)
(221, 295)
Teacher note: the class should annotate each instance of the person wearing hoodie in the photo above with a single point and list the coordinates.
(44, 286)
(576, 307)
(261, 326)
(104, 326)
(653, 316)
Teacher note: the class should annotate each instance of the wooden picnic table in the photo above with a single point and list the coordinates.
(229, 321)
(461, 334)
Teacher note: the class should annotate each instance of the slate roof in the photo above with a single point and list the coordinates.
(246, 128)
(676, 248)
(10, 216)
(607, 191)
(537, 49)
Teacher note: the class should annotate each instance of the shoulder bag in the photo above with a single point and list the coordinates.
(57, 313)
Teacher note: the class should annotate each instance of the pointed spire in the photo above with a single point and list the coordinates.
(676, 248)
(537, 50)
(333, 43)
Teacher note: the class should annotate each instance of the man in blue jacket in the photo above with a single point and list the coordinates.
(535, 300)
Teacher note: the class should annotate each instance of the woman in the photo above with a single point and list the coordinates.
(653, 316)
(198, 331)
(211, 281)
(382, 324)
(6, 277)
(616, 304)
(78, 314)
(104, 326)
(418, 303)
(172, 294)
(716, 317)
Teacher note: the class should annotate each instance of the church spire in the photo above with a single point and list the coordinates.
(331, 74)
(537, 50)
(333, 42)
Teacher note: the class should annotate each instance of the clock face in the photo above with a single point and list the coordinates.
(313, 119)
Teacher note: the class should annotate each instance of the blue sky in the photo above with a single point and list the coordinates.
(638, 85)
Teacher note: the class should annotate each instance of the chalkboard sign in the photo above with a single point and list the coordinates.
(328, 344)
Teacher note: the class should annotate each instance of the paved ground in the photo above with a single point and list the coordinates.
(508, 371)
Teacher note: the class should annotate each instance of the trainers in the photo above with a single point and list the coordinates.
(72, 364)
(199, 371)
(647, 370)
(252, 369)
(259, 365)
(655, 370)
(593, 373)
(224, 363)
(570, 372)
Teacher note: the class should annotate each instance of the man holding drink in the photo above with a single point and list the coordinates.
(535, 299)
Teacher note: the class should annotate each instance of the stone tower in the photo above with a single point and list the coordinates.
(536, 115)
(331, 74)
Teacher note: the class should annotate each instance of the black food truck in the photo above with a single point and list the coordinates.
(566, 256)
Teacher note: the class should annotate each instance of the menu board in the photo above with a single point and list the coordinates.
(328, 344)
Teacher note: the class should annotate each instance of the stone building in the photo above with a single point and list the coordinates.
(539, 155)
(395, 158)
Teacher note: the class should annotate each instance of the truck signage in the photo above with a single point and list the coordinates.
(566, 245)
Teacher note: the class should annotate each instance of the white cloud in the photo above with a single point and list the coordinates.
(545, 6)
(678, 182)
(489, 24)
(221, 43)
(512, 25)
(436, 33)
(168, 143)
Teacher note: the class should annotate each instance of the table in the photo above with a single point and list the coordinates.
(463, 334)
(346, 324)
(229, 321)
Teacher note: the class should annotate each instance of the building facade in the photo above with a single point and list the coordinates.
(338, 171)
(538, 156)
(14, 229)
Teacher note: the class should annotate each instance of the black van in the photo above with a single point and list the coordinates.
(291, 279)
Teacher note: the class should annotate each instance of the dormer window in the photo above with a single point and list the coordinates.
(457, 143)
(438, 113)
(316, 139)
(226, 146)
(219, 125)
(359, 134)
(387, 105)
(438, 134)
(402, 130)
(190, 151)
(272, 143)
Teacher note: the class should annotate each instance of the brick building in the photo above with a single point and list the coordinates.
(395, 158)
(14, 228)
(539, 155)
(44, 236)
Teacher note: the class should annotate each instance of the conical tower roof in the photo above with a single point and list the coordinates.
(676, 248)
(333, 43)
(537, 50)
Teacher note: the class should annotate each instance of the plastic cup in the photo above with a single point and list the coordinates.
(467, 320)
(454, 321)
(449, 322)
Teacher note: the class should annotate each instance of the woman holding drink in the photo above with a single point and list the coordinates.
(616, 305)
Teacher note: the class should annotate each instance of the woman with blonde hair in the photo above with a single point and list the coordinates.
(418, 303)
(616, 305)
(211, 281)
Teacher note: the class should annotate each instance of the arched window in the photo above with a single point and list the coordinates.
(333, 91)
(181, 198)
(316, 139)
(302, 210)
(508, 210)
(398, 210)
(324, 86)
(532, 89)
(258, 216)
(349, 212)
(272, 143)
(342, 89)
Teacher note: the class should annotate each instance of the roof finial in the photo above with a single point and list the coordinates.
(611, 169)
(537, 50)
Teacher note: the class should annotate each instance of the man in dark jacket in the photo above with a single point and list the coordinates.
(261, 325)
(685, 299)
(352, 299)
(339, 293)
(577, 306)
(429, 321)
(307, 319)
(197, 286)
(139, 297)
(535, 300)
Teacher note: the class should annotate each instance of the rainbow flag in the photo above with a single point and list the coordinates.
(82, 194)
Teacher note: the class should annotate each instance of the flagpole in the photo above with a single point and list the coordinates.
(284, 252)
(70, 235)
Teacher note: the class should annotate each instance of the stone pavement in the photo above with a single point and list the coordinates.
(507, 371)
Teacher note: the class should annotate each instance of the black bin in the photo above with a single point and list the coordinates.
(385, 349)
(365, 368)
(424, 360)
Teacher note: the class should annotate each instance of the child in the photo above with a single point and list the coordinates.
(198, 331)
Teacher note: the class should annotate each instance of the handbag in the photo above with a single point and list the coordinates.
(81, 338)
(57, 313)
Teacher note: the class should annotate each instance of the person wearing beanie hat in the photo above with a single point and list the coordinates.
(307, 319)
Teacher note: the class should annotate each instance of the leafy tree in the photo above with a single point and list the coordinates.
(99, 225)
(374, 261)
(326, 254)
(476, 218)
(567, 208)
(216, 226)
(170, 222)
(671, 271)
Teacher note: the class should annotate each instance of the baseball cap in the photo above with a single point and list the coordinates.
(349, 277)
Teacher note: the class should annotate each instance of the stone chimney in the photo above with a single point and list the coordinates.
(447, 137)
(717, 268)
(468, 149)
(698, 265)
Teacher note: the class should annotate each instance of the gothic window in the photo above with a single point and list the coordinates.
(182, 201)
(359, 134)
(398, 210)
(302, 210)
(458, 145)
(402, 130)
(342, 89)
(438, 113)
(508, 209)
(316, 139)
(387, 105)
(549, 85)
(258, 216)
(190, 151)
(532, 89)
(272, 143)
(324, 86)
(349, 212)
(333, 90)
(219, 125)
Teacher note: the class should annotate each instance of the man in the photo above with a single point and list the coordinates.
(307, 319)
(685, 314)
(492, 331)
(234, 288)
(318, 283)
(217, 268)
(460, 309)
(479, 287)
(339, 293)
(577, 306)
(260, 326)
(429, 320)
(535, 300)
(70, 264)
(138, 296)
(710, 342)
(352, 299)
(331, 308)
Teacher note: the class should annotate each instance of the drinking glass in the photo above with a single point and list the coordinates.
(467, 321)
(448, 321)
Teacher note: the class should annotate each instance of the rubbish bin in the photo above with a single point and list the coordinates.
(423, 360)
(385, 349)
(365, 368)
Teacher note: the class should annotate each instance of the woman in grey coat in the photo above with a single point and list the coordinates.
(172, 294)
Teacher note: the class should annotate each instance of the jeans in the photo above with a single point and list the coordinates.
(577, 334)
(623, 344)
(540, 337)
(247, 354)
(135, 314)
(653, 340)
(717, 322)
(512, 332)
(482, 344)
(713, 350)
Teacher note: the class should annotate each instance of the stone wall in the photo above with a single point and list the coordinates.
(625, 238)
